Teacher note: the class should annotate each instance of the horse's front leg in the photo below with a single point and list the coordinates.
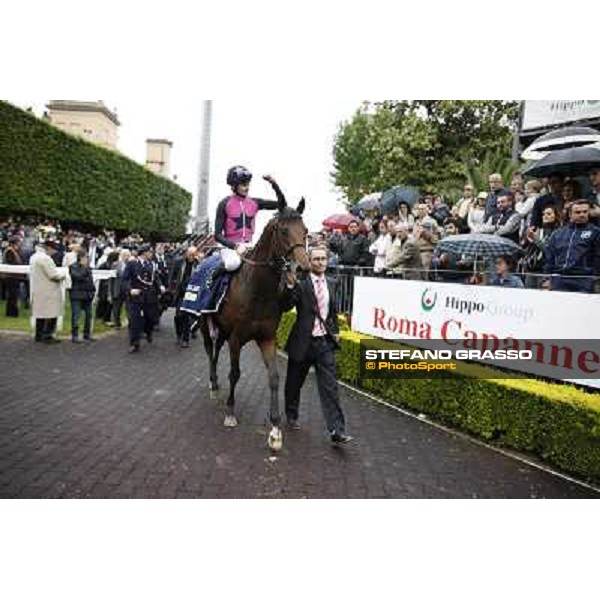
(234, 376)
(269, 352)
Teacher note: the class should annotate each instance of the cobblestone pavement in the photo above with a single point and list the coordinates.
(92, 421)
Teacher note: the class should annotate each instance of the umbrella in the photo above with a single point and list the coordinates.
(400, 193)
(370, 201)
(559, 139)
(339, 221)
(478, 245)
(572, 162)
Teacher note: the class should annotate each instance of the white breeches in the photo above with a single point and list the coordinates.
(231, 259)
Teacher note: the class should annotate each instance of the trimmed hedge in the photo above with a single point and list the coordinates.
(45, 171)
(559, 423)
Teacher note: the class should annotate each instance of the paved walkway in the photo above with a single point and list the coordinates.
(93, 421)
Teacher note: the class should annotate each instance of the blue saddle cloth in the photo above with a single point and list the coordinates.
(203, 295)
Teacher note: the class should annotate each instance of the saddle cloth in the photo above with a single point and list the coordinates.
(203, 295)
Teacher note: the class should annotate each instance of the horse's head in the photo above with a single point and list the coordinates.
(283, 240)
(291, 233)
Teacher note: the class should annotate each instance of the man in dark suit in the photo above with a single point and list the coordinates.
(496, 184)
(143, 287)
(313, 341)
(179, 279)
(13, 256)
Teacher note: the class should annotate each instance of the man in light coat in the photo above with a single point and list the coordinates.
(47, 298)
(404, 256)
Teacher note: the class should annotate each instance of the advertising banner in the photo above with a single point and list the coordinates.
(562, 329)
(540, 114)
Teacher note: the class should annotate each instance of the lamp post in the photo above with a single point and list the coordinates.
(200, 213)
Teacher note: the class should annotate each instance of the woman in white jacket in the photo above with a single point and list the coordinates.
(405, 216)
(475, 220)
(380, 247)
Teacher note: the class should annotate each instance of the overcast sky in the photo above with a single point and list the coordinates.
(290, 139)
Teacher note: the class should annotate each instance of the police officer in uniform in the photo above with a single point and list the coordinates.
(141, 280)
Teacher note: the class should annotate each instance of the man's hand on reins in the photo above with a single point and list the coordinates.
(291, 278)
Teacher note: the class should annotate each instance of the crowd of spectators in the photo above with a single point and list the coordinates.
(74, 254)
(554, 223)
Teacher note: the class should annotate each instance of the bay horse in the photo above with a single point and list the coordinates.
(251, 309)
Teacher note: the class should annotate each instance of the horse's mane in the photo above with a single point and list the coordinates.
(287, 214)
(269, 242)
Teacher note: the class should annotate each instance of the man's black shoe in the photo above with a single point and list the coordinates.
(185, 344)
(149, 338)
(51, 340)
(340, 438)
(293, 424)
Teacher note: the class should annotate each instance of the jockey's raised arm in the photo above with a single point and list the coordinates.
(272, 204)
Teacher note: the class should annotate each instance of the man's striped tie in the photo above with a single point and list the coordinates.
(318, 328)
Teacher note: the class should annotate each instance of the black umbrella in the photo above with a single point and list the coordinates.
(370, 201)
(401, 193)
(570, 162)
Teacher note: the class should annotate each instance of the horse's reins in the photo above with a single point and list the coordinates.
(282, 261)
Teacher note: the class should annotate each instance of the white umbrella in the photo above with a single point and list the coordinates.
(560, 139)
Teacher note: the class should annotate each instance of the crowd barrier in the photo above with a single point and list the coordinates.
(23, 271)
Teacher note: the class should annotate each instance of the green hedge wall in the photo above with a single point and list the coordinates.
(47, 172)
(558, 423)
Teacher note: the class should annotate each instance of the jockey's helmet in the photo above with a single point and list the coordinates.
(238, 175)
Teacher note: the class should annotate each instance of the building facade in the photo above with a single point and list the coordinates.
(92, 121)
(158, 156)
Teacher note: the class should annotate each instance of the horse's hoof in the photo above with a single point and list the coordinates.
(275, 440)
(230, 421)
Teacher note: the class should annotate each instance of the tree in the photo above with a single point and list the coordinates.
(424, 143)
(45, 171)
(355, 157)
(495, 161)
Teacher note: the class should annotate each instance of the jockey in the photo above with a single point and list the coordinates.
(234, 224)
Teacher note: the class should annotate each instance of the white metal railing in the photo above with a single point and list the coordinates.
(98, 274)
